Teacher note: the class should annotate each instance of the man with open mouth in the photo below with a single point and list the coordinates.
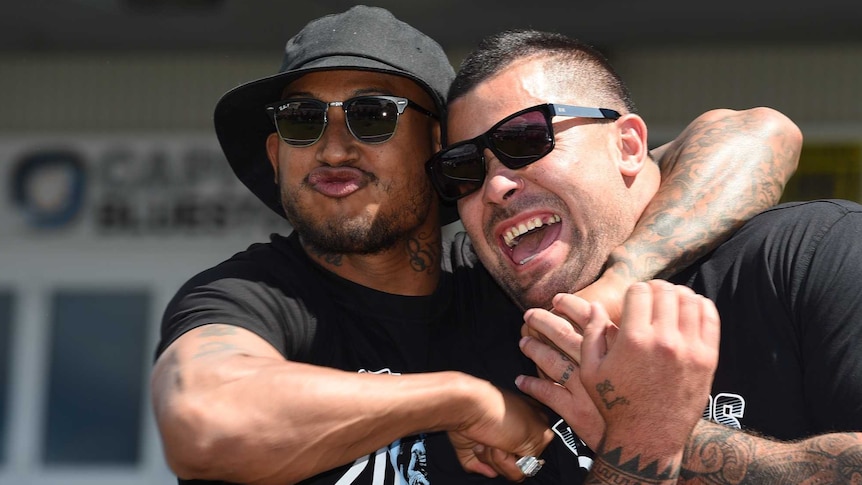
(551, 178)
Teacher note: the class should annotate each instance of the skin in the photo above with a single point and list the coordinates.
(665, 328)
(582, 240)
(340, 189)
(671, 331)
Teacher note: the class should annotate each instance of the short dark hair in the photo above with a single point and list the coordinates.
(574, 63)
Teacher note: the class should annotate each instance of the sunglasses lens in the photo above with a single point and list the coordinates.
(522, 140)
(372, 120)
(300, 123)
(458, 171)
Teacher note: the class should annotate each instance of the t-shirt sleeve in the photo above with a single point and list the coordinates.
(234, 295)
(828, 308)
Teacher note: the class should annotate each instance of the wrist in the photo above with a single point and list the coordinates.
(649, 462)
(623, 268)
(464, 400)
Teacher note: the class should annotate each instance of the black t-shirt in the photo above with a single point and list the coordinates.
(787, 287)
(311, 315)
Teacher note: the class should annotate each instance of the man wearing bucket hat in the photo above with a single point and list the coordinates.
(319, 356)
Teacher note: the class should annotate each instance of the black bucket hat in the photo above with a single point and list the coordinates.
(362, 38)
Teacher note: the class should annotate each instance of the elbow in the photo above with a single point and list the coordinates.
(784, 135)
(190, 438)
(207, 434)
(190, 418)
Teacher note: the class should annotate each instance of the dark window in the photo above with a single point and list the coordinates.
(96, 379)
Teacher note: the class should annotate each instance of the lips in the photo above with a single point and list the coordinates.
(337, 181)
(524, 240)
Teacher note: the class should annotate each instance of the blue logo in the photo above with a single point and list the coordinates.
(48, 187)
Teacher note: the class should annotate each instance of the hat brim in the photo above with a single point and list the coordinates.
(242, 125)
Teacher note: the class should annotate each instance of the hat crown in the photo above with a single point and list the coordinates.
(374, 34)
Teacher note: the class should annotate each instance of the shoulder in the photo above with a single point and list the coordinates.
(804, 212)
(273, 262)
(802, 223)
(264, 289)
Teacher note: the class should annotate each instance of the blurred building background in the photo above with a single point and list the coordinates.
(115, 190)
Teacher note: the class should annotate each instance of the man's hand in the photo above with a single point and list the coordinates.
(616, 386)
(503, 428)
(652, 382)
(553, 341)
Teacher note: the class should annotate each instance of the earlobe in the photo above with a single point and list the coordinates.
(634, 151)
(272, 153)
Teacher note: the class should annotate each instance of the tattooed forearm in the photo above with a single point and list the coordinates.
(723, 169)
(609, 468)
(721, 455)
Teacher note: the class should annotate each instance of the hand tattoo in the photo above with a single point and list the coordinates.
(606, 387)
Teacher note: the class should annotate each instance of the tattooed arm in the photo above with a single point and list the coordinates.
(724, 168)
(721, 455)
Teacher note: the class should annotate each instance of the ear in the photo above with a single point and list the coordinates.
(272, 142)
(436, 136)
(634, 151)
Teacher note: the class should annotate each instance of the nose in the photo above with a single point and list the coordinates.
(501, 183)
(336, 145)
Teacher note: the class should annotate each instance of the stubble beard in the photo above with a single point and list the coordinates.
(570, 277)
(362, 234)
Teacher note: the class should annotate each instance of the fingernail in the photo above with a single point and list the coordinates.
(518, 381)
(478, 449)
(523, 341)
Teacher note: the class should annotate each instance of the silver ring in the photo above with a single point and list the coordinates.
(530, 465)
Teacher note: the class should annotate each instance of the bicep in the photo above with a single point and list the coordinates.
(198, 353)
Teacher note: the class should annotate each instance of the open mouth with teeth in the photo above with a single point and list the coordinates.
(529, 238)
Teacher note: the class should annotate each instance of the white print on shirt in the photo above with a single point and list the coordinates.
(725, 408)
(410, 469)
(385, 370)
(574, 444)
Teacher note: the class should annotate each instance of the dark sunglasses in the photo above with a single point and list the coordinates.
(370, 119)
(517, 141)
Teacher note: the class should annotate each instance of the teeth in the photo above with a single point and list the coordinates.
(510, 236)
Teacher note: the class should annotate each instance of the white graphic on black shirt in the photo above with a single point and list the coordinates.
(725, 408)
(574, 444)
(406, 458)
(417, 466)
